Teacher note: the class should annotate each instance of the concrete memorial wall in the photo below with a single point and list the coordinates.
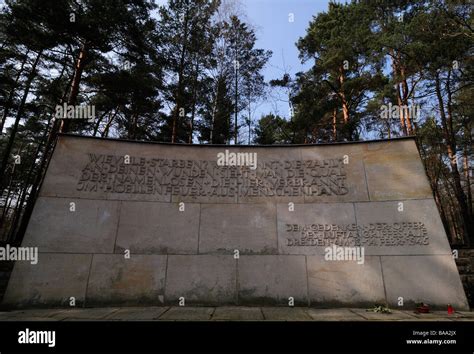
(128, 223)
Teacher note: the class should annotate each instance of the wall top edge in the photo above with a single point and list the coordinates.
(67, 136)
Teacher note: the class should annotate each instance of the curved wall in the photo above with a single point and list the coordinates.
(197, 228)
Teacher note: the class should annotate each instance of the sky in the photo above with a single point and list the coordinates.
(276, 32)
(278, 25)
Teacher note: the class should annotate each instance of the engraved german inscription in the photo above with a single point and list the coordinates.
(373, 234)
(109, 173)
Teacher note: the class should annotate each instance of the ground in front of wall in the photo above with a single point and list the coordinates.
(226, 313)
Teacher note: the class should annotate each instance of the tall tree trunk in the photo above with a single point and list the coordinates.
(250, 120)
(454, 229)
(19, 115)
(95, 130)
(342, 95)
(8, 104)
(467, 179)
(236, 133)
(78, 69)
(18, 213)
(334, 124)
(416, 112)
(105, 133)
(179, 89)
(433, 178)
(389, 129)
(447, 124)
(468, 143)
(467, 216)
(49, 140)
(134, 126)
(193, 110)
(395, 73)
(7, 199)
(401, 111)
(405, 93)
(214, 111)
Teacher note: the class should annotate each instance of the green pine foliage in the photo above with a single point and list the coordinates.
(190, 71)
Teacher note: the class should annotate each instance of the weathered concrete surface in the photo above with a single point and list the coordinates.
(394, 171)
(413, 278)
(52, 282)
(272, 280)
(181, 217)
(87, 226)
(248, 228)
(340, 283)
(203, 279)
(158, 228)
(116, 279)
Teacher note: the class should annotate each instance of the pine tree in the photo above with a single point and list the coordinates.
(271, 130)
(185, 28)
(244, 67)
(338, 42)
